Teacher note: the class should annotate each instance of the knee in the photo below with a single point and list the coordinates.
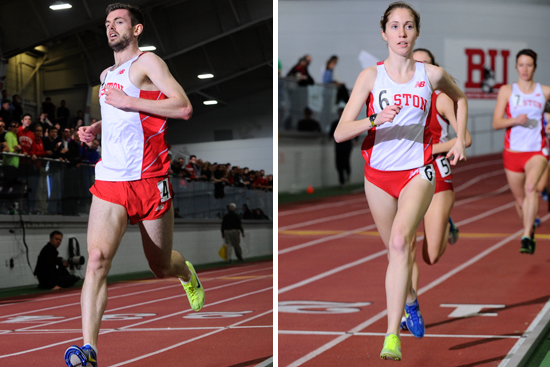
(530, 189)
(98, 262)
(399, 245)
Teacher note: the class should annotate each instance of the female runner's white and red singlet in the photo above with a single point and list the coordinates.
(133, 144)
(439, 128)
(405, 143)
(529, 137)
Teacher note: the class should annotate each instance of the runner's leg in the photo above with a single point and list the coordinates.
(157, 236)
(534, 169)
(107, 223)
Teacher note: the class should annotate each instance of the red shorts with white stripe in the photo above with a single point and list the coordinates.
(145, 199)
(393, 182)
(443, 175)
(515, 161)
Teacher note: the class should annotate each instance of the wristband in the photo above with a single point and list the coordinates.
(372, 118)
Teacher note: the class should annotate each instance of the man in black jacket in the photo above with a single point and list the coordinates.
(231, 226)
(50, 269)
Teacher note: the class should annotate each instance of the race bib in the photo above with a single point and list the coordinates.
(443, 165)
(427, 172)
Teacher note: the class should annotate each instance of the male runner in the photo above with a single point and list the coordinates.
(137, 95)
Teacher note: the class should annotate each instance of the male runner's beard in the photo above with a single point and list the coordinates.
(121, 44)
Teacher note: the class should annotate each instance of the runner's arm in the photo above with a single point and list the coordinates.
(446, 108)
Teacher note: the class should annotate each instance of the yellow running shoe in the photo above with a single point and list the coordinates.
(194, 289)
(392, 348)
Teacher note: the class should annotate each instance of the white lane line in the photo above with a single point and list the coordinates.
(366, 211)
(479, 178)
(380, 315)
(139, 323)
(326, 239)
(166, 329)
(117, 285)
(188, 341)
(142, 303)
(511, 354)
(136, 293)
(325, 219)
(372, 226)
(353, 201)
(315, 332)
(333, 271)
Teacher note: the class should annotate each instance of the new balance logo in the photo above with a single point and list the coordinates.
(420, 84)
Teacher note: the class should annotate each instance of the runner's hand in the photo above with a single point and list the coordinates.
(116, 98)
(521, 119)
(457, 153)
(86, 134)
(387, 114)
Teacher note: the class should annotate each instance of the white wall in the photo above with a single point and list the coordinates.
(255, 154)
(199, 241)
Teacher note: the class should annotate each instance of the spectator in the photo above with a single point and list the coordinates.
(17, 108)
(65, 138)
(220, 180)
(328, 78)
(300, 71)
(24, 135)
(78, 120)
(74, 153)
(247, 214)
(52, 146)
(177, 168)
(192, 171)
(6, 114)
(37, 174)
(2, 134)
(90, 153)
(52, 143)
(246, 178)
(259, 214)
(51, 270)
(259, 182)
(63, 114)
(49, 108)
(269, 182)
(44, 122)
(12, 146)
(231, 226)
(307, 123)
(342, 153)
(206, 174)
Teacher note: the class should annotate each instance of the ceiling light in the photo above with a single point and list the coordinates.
(210, 102)
(147, 48)
(205, 76)
(59, 5)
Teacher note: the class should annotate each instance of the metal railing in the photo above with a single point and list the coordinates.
(49, 186)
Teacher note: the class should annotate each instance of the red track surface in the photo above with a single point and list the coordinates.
(150, 323)
(329, 251)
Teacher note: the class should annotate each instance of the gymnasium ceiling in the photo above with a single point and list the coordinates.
(232, 39)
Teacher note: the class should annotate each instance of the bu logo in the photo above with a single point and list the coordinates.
(482, 69)
(420, 84)
(121, 72)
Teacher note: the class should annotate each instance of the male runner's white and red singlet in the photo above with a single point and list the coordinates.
(530, 136)
(133, 144)
(405, 143)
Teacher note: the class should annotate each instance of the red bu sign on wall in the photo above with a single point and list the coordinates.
(487, 71)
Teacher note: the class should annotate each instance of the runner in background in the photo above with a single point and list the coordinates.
(519, 110)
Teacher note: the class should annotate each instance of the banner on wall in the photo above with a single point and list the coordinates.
(481, 67)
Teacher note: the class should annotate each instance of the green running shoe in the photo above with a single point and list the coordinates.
(392, 348)
(194, 289)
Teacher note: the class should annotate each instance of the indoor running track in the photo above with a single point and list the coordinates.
(150, 323)
(477, 302)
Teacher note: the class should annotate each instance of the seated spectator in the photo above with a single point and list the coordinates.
(50, 269)
(247, 214)
(259, 214)
(307, 123)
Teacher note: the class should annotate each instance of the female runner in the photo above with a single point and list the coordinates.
(399, 175)
(519, 110)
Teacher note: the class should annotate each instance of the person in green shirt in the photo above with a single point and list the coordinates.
(11, 146)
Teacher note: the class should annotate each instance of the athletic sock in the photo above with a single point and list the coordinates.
(525, 237)
(183, 281)
(91, 346)
(410, 304)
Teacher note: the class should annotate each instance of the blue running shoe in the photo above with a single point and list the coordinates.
(415, 322)
(403, 325)
(77, 357)
(453, 232)
(537, 222)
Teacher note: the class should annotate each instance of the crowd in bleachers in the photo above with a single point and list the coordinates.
(54, 135)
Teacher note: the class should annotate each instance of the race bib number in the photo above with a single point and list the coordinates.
(385, 98)
(164, 190)
(517, 100)
(443, 165)
(427, 172)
